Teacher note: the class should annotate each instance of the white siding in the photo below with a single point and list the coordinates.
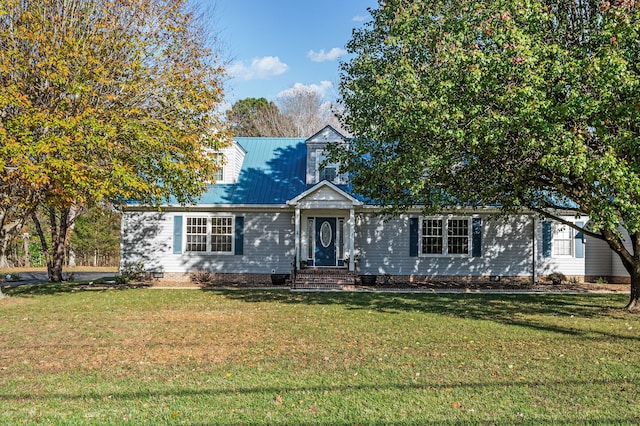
(568, 265)
(598, 258)
(268, 244)
(384, 249)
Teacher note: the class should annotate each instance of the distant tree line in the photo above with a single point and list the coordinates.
(299, 113)
(93, 240)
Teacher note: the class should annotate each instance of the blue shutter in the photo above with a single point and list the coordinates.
(579, 241)
(239, 235)
(177, 234)
(413, 236)
(476, 237)
(546, 238)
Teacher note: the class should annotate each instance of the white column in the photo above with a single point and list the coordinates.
(352, 237)
(297, 237)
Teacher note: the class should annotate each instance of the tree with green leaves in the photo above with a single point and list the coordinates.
(104, 100)
(529, 104)
(246, 116)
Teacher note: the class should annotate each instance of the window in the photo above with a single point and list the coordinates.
(330, 170)
(219, 160)
(196, 234)
(221, 234)
(432, 236)
(458, 236)
(210, 234)
(562, 240)
(310, 237)
(445, 237)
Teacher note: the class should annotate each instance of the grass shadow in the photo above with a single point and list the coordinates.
(511, 309)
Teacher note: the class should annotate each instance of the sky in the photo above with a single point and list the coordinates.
(275, 45)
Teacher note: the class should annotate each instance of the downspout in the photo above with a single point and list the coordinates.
(533, 252)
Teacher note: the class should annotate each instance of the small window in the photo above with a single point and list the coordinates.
(310, 237)
(219, 160)
(562, 240)
(330, 170)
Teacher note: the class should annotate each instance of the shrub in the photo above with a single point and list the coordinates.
(557, 278)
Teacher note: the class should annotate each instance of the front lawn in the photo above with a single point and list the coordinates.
(151, 356)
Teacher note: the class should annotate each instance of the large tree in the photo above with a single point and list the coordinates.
(104, 100)
(529, 104)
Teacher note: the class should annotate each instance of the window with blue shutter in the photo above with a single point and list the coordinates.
(177, 234)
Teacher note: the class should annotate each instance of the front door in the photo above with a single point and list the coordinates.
(325, 241)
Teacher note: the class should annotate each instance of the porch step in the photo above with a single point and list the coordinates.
(324, 279)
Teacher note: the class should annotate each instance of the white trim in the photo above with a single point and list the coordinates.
(296, 201)
(209, 234)
(554, 240)
(444, 236)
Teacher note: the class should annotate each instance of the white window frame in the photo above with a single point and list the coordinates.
(321, 155)
(558, 229)
(444, 236)
(209, 233)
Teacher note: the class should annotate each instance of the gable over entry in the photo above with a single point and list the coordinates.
(324, 226)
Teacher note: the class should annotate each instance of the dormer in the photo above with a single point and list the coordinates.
(317, 154)
(231, 158)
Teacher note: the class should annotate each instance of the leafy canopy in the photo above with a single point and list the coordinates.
(107, 99)
(529, 104)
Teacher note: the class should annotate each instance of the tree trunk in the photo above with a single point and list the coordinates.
(43, 242)
(634, 300)
(25, 249)
(59, 226)
(71, 255)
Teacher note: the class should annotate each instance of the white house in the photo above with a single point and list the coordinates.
(274, 210)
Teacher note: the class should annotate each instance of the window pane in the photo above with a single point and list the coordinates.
(328, 173)
(432, 236)
(458, 236)
(562, 240)
(196, 234)
(310, 238)
(221, 234)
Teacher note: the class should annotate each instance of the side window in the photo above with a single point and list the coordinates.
(562, 243)
(445, 236)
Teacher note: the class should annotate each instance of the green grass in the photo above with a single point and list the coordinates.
(150, 356)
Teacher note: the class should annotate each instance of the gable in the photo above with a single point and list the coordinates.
(326, 135)
(324, 195)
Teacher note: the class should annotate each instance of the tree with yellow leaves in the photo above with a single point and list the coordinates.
(104, 100)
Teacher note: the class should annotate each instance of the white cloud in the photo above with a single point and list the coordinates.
(322, 56)
(259, 69)
(358, 18)
(321, 89)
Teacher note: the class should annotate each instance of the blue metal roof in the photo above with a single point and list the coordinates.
(273, 171)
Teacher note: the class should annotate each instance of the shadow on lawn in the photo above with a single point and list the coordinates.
(510, 309)
(327, 389)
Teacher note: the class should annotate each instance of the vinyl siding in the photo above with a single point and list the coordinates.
(268, 244)
(384, 249)
(568, 265)
(598, 258)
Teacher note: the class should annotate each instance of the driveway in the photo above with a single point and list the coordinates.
(40, 277)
